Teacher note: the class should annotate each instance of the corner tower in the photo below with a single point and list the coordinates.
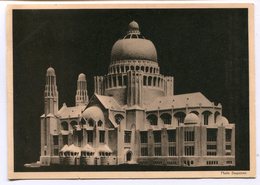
(51, 95)
(81, 97)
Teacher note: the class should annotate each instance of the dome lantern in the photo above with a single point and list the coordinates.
(133, 28)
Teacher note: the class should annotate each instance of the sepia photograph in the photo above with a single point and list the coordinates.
(165, 90)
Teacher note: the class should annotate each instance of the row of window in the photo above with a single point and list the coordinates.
(124, 69)
(117, 81)
(158, 151)
(80, 137)
(83, 154)
(212, 134)
(166, 117)
(188, 136)
(91, 122)
(212, 162)
(188, 151)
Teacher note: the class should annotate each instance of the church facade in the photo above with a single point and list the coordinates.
(134, 117)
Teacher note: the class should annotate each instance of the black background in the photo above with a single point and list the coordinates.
(205, 50)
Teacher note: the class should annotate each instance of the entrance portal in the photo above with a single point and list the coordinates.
(128, 156)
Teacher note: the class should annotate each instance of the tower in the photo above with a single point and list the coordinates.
(51, 95)
(81, 97)
(49, 135)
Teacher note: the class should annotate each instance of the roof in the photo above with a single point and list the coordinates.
(87, 148)
(73, 148)
(64, 148)
(94, 113)
(103, 148)
(108, 102)
(180, 101)
(70, 112)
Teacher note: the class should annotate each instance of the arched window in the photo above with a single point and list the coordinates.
(147, 69)
(154, 81)
(152, 118)
(149, 81)
(195, 112)
(216, 115)
(73, 124)
(64, 125)
(180, 117)
(137, 68)
(142, 68)
(118, 118)
(151, 70)
(127, 68)
(114, 81)
(144, 81)
(122, 69)
(120, 80)
(132, 68)
(83, 121)
(117, 69)
(206, 115)
(167, 118)
(125, 80)
(100, 123)
(91, 122)
(110, 82)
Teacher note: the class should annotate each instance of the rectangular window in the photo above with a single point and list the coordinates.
(90, 136)
(157, 136)
(56, 151)
(211, 147)
(144, 151)
(171, 135)
(211, 153)
(189, 150)
(212, 134)
(143, 136)
(189, 136)
(228, 135)
(101, 136)
(228, 153)
(157, 151)
(172, 151)
(65, 139)
(55, 140)
(127, 136)
(80, 137)
(228, 147)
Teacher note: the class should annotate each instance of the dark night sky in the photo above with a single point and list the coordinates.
(205, 50)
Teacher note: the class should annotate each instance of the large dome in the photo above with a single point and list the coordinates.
(133, 46)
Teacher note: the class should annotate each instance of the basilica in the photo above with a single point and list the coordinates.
(134, 117)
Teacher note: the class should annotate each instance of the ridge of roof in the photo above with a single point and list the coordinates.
(180, 101)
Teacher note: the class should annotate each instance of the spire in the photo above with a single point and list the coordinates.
(51, 92)
(82, 93)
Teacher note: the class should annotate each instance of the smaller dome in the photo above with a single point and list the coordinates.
(191, 118)
(50, 72)
(221, 120)
(133, 26)
(94, 113)
(82, 77)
